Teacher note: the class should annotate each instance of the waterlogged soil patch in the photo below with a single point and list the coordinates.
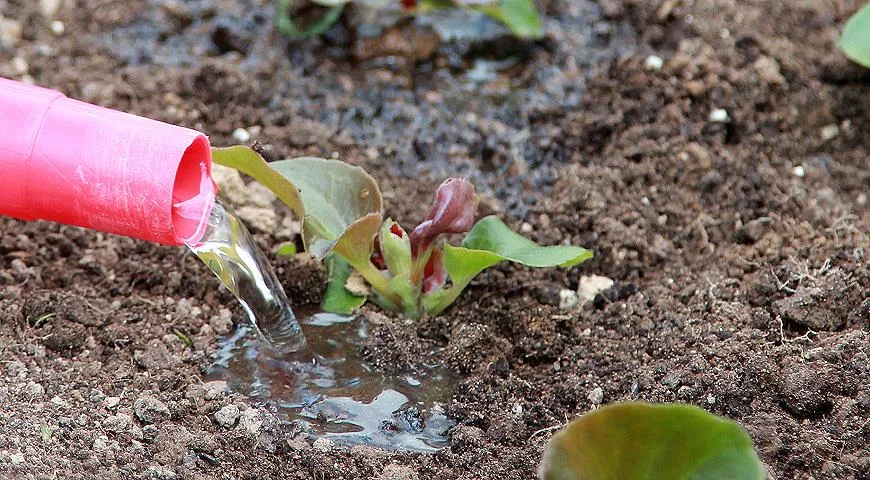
(723, 189)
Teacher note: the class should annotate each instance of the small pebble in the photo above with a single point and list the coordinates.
(241, 135)
(654, 63)
(596, 396)
(58, 28)
(16, 458)
(830, 132)
(213, 390)
(323, 445)
(10, 32)
(117, 423)
(798, 171)
(227, 416)
(719, 115)
(567, 299)
(112, 402)
(251, 421)
(20, 65)
(590, 286)
(150, 409)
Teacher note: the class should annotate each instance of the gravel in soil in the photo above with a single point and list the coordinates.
(723, 189)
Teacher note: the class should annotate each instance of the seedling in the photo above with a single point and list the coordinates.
(855, 41)
(409, 272)
(645, 441)
(520, 16)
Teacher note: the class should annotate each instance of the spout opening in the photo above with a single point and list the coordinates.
(193, 193)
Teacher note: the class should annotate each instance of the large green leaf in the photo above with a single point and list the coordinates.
(329, 195)
(492, 235)
(642, 441)
(335, 195)
(855, 41)
(249, 162)
(338, 299)
(520, 16)
(489, 242)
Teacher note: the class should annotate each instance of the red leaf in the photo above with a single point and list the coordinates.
(453, 211)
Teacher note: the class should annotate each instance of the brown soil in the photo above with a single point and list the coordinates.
(741, 286)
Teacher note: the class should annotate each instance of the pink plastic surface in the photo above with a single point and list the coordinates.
(75, 163)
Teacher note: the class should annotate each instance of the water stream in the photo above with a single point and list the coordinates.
(228, 249)
(322, 384)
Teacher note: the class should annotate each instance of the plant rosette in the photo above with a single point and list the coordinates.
(414, 272)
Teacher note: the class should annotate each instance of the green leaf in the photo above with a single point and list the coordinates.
(651, 442)
(249, 162)
(335, 195)
(462, 265)
(855, 41)
(489, 242)
(337, 299)
(286, 249)
(285, 24)
(520, 16)
(492, 235)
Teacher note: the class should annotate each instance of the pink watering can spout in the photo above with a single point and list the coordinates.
(71, 162)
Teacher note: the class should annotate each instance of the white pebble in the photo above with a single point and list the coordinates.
(719, 115)
(241, 135)
(227, 416)
(596, 396)
(798, 171)
(830, 132)
(16, 458)
(590, 286)
(58, 28)
(112, 402)
(654, 62)
(323, 445)
(20, 65)
(567, 299)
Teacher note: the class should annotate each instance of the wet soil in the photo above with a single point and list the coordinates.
(739, 249)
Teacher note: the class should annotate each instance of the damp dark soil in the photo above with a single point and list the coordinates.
(724, 191)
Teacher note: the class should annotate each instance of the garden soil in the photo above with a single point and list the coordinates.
(724, 190)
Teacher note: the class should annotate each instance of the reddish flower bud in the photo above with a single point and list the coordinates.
(452, 212)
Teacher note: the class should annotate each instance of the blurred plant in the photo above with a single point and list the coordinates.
(855, 41)
(647, 441)
(520, 16)
(405, 272)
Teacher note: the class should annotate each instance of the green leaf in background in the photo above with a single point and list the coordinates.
(337, 299)
(489, 242)
(335, 195)
(855, 41)
(286, 249)
(643, 441)
(285, 24)
(520, 16)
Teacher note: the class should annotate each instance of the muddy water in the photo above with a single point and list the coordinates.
(322, 384)
(330, 391)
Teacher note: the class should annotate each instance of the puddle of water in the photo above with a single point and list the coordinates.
(228, 249)
(330, 391)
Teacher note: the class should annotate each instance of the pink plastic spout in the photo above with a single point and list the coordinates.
(71, 162)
